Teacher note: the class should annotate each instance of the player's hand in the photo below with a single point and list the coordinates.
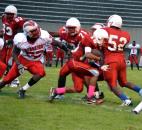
(105, 67)
(9, 43)
(21, 68)
(83, 58)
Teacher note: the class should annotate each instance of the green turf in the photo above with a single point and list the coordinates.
(35, 113)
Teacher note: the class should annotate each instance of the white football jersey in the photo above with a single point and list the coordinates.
(49, 48)
(33, 51)
(134, 49)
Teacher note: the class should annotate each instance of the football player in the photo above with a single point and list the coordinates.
(12, 24)
(28, 51)
(82, 42)
(59, 56)
(96, 26)
(2, 65)
(133, 57)
(113, 50)
(49, 55)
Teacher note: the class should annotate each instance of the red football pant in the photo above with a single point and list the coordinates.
(78, 70)
(2, 68)
(5, 54)
(49, 56)
(60, 54)
(116, 73)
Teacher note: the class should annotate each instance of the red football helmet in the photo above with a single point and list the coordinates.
(31, 29)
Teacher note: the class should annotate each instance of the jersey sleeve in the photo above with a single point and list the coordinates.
(87, 41)
(130, 46)
(62, 32)
(19, 39)
(46, 36)
(19, 21)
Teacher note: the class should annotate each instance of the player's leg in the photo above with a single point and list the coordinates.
(60, 90)
(2, 68)
(37, 75)
(62, 59)
(138, 108)
(111, 77)
(124, 83)
(51, 59)
(99, 95)
(131, 61)
(12, 74)
(136, 61)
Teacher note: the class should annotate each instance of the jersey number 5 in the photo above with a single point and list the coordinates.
(113, 46)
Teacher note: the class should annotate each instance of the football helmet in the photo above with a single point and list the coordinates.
(11, 9)
(31, 29)
(114, 20)
(97, 26)
(100, 35)
(10, 12)
(73, 26)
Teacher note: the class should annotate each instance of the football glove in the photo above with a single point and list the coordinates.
(105, 67)
(21, 68)
(9, 43)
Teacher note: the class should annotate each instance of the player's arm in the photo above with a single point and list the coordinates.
(15, 53)
(59, 44)
(54, 34)
(90, 55)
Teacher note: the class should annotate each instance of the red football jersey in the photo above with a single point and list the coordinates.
(11, 28)
(114, 47)
(81, 40)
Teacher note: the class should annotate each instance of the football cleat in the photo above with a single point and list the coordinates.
(15, 83)
(91, 100)
(99, 101)
(21, 93)
(52, 95)
(127, 102)
(84, 98)
(59, 97)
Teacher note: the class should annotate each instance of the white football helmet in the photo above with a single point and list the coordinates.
(11, 9)
(73, 22)
(99, 35)
(97, 26)
(31, 29)
(114, 20)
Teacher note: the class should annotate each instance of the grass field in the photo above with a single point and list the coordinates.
(35, 113)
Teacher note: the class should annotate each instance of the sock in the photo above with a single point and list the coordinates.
(91, 90)
(123, 97)
(26, 87)
(32, 82)
(136, 88)
(60, 90)
(140, 92)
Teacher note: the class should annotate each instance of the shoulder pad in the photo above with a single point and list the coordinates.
(44, 34)
(19, 37)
